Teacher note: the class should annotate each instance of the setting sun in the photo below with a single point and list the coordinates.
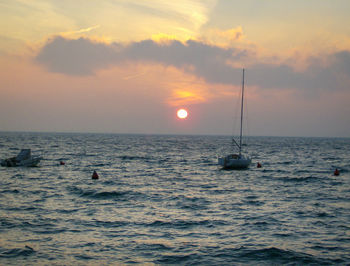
(182, 113)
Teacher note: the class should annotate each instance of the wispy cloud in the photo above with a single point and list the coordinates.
(78, 32)
(189, 11)
(135, 76)
(225, 38)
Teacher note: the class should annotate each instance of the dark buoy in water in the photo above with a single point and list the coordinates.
(336, 172)
(258, 165)
(94, 175)
(62, 163)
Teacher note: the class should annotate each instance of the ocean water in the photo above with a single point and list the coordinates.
(163, 200)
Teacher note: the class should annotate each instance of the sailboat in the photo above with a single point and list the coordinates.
(236, 161)
(24, 158)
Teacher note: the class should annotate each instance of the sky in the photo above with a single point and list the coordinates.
(127, 66)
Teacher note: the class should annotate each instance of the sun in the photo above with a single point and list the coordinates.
(182, 113)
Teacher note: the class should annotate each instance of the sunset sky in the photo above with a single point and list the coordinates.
(127, 66)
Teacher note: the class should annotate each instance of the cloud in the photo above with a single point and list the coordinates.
(209, 62)
(77, 57)
(186, 97)
(330, 72)
(203, 60)
(226, 38)
(77, 32)
(195, 13)
(84, 57)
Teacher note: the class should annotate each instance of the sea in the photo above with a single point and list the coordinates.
(163, 200)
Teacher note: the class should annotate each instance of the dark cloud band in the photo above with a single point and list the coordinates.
(212, 63)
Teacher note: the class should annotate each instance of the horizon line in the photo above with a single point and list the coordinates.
(166, 134)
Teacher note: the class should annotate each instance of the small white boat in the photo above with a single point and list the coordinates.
(24, 158)
(236, 161)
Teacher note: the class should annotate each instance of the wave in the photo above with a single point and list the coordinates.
(179, 258)
(281, 256)
(185, 224)
(242, 255)
(111, 224)
(101, 195)
(132, 158)
(182, 224)
(19, 176)
(273, 256)
(7, 223)
(99, 165)
(16, 252)
(299, 179)
(11, 191)
(105, 195)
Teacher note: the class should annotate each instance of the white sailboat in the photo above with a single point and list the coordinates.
(24, 158)
(236, 161)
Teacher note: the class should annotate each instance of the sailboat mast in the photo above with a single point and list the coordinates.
(240, 135)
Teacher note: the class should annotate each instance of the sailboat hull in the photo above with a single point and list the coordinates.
(234, 161)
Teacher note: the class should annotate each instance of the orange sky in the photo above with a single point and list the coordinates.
(127, 66)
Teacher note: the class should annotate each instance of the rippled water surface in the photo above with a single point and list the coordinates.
(164, 200)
